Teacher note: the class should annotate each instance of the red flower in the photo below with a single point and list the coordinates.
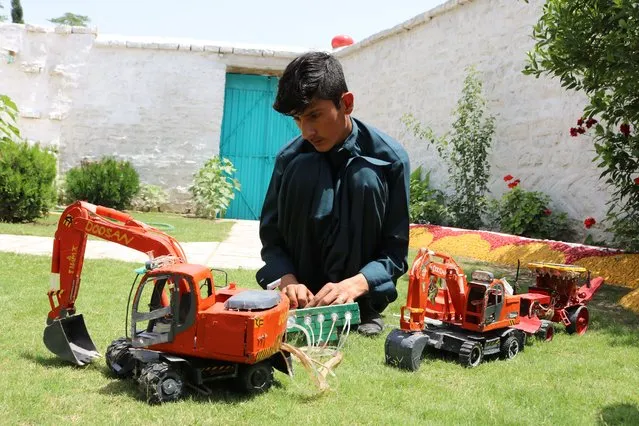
(507, 178)
(573, 132)
(547, 212)
(591, 122)
(513, 184)
(581, 130)
(589, 221)
(580, 121)
(637, 181)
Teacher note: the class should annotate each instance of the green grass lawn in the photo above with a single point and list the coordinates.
(184, 229)
(576, 380)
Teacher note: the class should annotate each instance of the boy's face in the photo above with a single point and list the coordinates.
(324, 125)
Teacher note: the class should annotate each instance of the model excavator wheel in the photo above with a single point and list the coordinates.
(161, 382)
(471, 354)
(118, 358)
(255, 378)
(579, 319)
(510, 347)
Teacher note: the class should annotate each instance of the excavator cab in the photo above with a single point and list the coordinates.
(485, 299)
(163, 306)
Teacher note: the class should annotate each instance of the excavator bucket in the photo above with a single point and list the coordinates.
(69, 339)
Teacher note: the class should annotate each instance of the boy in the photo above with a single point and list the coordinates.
(334, 224)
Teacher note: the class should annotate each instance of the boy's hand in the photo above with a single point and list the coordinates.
(298, 294)
(345, 291)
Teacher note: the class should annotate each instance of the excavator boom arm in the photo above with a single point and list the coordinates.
(82, 219)
(422, 276)
(66, 334)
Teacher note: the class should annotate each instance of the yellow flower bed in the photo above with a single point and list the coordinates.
(617, 269)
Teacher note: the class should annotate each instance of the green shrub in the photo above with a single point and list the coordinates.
(465, 151)
(27, 175)
(527, 214)
(214, 187)
(150, 197)
(27, 172)
(107, 182)
(427, 205)
(590, 46)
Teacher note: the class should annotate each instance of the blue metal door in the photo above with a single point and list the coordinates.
(252, 134)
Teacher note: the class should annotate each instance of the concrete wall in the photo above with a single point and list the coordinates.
(156, 102)
(418, 67)
(42, 70)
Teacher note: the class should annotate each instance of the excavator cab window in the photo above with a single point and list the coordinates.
(495, 296)
(152, 311)
(494, 303)
(206, 288)
(163, 306)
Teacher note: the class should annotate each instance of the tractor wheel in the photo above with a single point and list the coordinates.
(118, 358)
(546, 332)
(161, 382)
(510, 347)
(579, 318)
(255, 378)
(471, 354)
(405, 350)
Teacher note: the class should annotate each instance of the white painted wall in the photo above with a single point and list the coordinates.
(418, 67)
(160, 109)
(155, 102)
(41, 71)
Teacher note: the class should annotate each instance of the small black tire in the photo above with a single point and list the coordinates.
(579, 320)
(546, 332)
(510, 347)
(471, 354)
(161, 382)
(119, 360)
(254, 378)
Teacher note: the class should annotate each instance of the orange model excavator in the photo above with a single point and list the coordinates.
(469, 318)
(182, 330)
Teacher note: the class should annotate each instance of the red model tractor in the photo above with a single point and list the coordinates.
(470, 318)
(568, 297)
(182, 330)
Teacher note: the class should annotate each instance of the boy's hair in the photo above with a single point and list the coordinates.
(313, 75)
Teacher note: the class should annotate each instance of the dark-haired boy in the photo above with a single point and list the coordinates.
(334, 224)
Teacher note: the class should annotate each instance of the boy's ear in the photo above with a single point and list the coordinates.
(348, 100)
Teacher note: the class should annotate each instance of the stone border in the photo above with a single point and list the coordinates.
(60, 29)
(165, 43)
(195, 46)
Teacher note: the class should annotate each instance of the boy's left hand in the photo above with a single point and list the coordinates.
(345, 291)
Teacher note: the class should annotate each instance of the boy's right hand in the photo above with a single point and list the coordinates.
(298, 294)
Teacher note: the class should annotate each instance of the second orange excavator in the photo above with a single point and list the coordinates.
(469, 318)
